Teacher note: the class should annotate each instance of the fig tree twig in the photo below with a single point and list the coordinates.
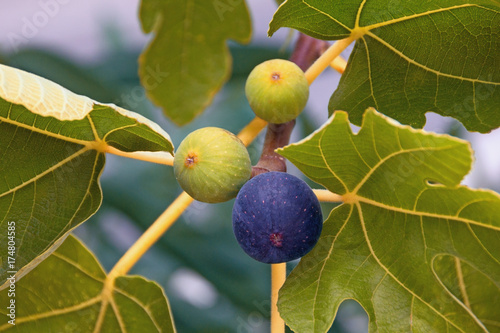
(277, 136)
(278, 276)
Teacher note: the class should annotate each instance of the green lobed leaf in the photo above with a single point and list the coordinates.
(411, 57)
(472, 287)
(188, 61)
(403, 211)
(67, 291)
(52, 145)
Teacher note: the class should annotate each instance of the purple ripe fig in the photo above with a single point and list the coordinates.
(277, 90)
(212, 164)
(276, 218)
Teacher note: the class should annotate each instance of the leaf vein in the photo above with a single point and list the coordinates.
(320, 274)
(363, 226)
(327, 15)
(49, 170)
(320, 147)
(425, 214)
(54, 312)
(143, 306)
(47, 133)
(428, 69)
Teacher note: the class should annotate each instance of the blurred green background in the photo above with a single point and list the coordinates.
(211, 284)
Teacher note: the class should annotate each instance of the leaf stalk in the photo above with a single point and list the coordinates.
(150, 236)
(278, 277)
(327, 196)
(148, 156)
(327, 58)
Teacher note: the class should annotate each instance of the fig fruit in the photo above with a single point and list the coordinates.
(212, 164)
(276, 217)
(277, 90)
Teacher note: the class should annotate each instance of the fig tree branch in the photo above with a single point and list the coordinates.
(277, 136)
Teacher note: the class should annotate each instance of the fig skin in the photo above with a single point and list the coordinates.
(212, 164)
(276, 218)
(277, 90)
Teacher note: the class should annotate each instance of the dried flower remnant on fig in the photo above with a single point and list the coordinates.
(191, 159)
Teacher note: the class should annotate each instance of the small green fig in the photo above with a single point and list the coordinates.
(277, 90)
(212, 164)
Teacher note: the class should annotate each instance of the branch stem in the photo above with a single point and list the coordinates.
(278, 276)
(327, 58)
(277, 136)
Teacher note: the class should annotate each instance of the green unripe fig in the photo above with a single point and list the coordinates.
(212, 164)
(277, 90)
